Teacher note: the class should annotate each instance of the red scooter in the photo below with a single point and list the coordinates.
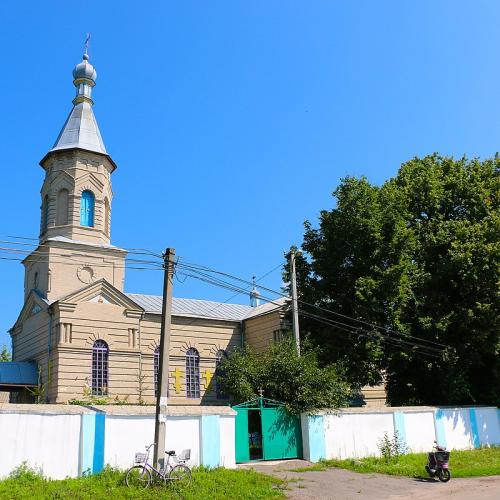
(437, 464)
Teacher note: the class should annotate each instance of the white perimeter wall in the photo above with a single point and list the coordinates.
(420, 432)
(126, 435)
(355, 433)
(48, 442)
(227, 442)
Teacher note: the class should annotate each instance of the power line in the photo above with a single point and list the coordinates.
(196, 268)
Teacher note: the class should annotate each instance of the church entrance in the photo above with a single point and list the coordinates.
(264, 430)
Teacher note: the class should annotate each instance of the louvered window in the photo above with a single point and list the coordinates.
(192, 373)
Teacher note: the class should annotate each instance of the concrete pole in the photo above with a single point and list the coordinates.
(163, 368)
(295, 306)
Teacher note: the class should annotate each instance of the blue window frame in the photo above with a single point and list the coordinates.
(192, 373)
(87, 209)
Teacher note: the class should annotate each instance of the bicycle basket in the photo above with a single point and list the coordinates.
(140, 458)
(442, 456)
(184, 455)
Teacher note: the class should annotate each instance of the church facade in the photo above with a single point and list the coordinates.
(88, 336)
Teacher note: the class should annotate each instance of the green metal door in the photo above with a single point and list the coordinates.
(281, 432)
(241, 435)
(269, 433)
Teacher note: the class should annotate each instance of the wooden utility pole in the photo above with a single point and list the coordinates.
(163, 368)
(295, 307)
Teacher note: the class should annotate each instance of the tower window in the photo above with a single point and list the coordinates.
(221, 354)
(45, 213)
(87, 209)
(192, 373)
(62, 207)
(156, 368)
(100, 352)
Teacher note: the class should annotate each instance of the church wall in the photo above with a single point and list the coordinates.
(259, 331)
(76, 332)
(74, 266)
(205, 335)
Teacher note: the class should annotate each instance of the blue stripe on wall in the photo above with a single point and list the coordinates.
(399, 425)
(317, 448)
(439, 423)
(474, 429)
(210, 440)
(100, 430)
(87, 444)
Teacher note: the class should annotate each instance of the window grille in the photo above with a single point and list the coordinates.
(192, 373)
(218, 371)
(156, 368)
(87, 209)
(100, 352)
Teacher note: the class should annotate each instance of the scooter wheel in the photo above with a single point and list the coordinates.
(444, 475)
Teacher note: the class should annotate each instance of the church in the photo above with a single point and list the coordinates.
(81, 335)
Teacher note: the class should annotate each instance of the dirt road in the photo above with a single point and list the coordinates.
(339, 484)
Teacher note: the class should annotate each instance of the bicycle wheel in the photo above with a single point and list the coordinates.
(138, 477)
(180, 473)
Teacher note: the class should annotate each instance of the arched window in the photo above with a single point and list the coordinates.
(221, 354)
(156, 368)
(45, 213)
(192, 373)
(106, 217)
(62, 207)
(100, 352)
(87, 209)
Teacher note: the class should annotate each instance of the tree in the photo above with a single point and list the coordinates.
(5, 354)
(419, 255)
(283, 375)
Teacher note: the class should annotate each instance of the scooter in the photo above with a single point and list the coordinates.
(437, 464)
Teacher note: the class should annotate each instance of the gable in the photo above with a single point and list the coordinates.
(90, 182)
(100, 292)
(33, 305)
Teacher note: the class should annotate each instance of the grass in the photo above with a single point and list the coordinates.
(24, 483)
(465, 463)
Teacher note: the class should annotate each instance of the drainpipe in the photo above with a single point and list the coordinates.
(49, 345)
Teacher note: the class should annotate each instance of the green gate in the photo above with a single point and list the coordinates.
(264, 430)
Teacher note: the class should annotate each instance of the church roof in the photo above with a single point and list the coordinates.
(203, 308)
(80, 131)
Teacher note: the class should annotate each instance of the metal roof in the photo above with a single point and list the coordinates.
(202, 308)
(80, 131)
(15, 373)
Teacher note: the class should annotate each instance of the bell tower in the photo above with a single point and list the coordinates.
(76, 199)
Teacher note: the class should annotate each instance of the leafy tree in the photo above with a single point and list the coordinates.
(283, 375)
(420, 255)
(5, 354)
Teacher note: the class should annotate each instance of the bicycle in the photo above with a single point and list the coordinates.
(141, 474)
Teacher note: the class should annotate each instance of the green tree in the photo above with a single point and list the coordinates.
(298, 381)
(421, 255)
(5, 354)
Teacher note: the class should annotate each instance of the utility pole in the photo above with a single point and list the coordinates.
(163, 369)
(295, 307)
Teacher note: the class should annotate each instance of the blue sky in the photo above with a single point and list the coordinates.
(233, 121)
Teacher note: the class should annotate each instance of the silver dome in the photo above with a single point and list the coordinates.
(85, 70)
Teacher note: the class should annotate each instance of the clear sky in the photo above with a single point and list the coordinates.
(231, 122)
